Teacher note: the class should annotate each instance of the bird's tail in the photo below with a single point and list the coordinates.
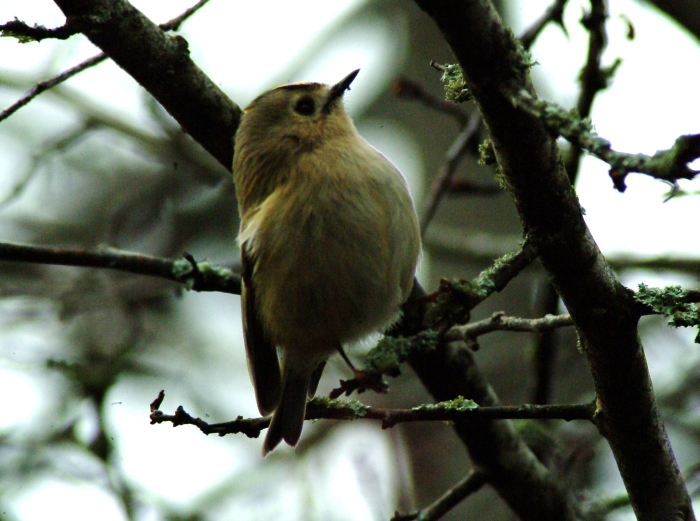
(288, 419)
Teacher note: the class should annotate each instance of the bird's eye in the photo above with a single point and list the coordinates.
(305, 106)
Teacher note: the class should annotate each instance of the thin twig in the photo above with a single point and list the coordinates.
(202, 276)
(458, 149)
(500, 322)
(445, 183)
(554, 13)
(408, 89)
(484, 247)
(462, 186)
(450, 499)
(43, 86)
(175, 23)
(592, 80)
(26, 33)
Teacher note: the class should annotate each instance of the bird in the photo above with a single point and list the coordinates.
(329, 242)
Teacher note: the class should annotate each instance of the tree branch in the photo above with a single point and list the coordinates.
(26, 33)
(500, 322)
(601, 307)
(448, 370)
(202, 276)
(554, 13)
(592, 80)
(162, 65)
(450, 499)
(321, 408)
(405, 88)
(666, 165)
(43, 86)
(454, 155)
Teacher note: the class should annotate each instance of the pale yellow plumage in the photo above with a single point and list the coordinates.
(329, 239)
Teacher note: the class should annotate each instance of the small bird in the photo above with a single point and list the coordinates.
(329, 242)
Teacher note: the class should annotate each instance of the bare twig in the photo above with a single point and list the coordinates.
(43, 86)
(450, 499)
(445, 183)
(409, 89)
(201, 276)
(464, 187)
(484, 247)
(458, 149)
(175, 23)
(554, 13)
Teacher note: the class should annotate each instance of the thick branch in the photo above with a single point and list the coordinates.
(162, 65)
(601, 307)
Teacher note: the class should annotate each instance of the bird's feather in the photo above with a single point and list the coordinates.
(263, 363)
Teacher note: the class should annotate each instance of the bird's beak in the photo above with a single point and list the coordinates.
(339, 88)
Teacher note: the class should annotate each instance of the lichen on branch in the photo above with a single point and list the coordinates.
(667, 165)
(671, 302)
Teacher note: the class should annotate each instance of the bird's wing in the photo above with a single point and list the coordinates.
(263, 363)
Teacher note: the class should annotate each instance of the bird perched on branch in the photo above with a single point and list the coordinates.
(329, 241)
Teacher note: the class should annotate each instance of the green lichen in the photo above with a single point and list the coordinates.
(487, 156)
(458, 404)
(455, 299)
(456, 89)
(358, 409)
(672, 303)
(390, 352)
(184, 271)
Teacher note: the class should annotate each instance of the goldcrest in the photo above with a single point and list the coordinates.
(329, 242)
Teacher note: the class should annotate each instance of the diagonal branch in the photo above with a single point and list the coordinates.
(603, 310)
(450, 499)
